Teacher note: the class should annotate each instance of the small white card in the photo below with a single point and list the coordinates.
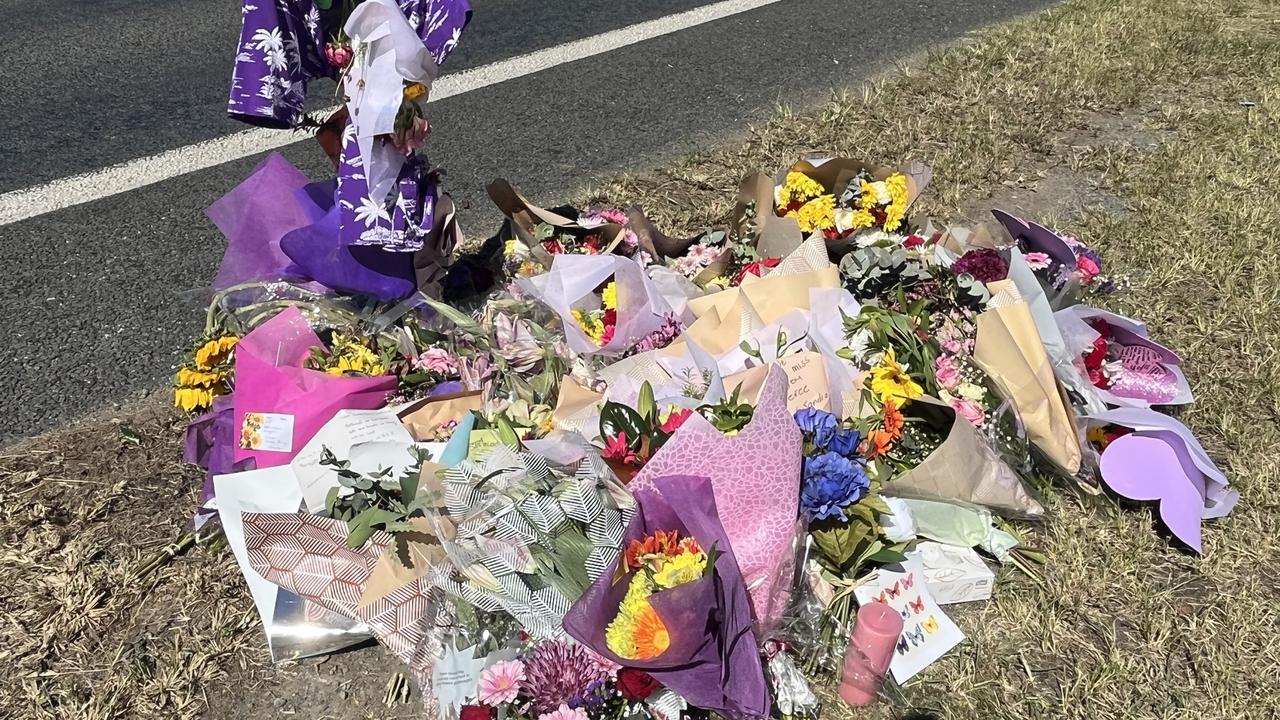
(455, 679)
(927, 632)
(272, 432)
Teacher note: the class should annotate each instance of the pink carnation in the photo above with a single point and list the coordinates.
(1087, 268)
(438, 360)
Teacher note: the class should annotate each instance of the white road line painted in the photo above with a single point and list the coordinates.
(30, 202)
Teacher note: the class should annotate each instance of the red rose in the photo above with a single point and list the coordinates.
(634, 684)
(912, 241)
(476, 712)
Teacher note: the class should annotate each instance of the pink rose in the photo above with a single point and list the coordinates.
(951, 346)
(437, 360)
(969, 410)
(947, 373)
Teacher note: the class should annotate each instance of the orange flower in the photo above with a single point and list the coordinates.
(876, 444)
(893, 420)
(650, 636)
(661, 544)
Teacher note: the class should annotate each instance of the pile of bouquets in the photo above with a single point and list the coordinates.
(593, 470)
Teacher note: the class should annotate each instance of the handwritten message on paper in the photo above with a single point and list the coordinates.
(807, 381)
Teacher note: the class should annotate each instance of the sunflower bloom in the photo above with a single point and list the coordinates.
(215, 352)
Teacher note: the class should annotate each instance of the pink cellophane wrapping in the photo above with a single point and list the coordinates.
(270, 378)
(756, 479)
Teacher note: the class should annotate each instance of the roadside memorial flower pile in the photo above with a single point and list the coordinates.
(588, 470)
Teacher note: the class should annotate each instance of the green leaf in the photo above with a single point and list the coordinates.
(507, 433)
(837, 542)
(876, 503)
(616, 418)
(887, 555)
(359, 530)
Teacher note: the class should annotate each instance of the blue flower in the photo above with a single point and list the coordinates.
(820, 424)
(845, 442)
(830, 484)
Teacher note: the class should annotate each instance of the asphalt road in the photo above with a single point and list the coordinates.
(100, 299)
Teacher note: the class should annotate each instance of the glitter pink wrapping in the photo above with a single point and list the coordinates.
(756, 479)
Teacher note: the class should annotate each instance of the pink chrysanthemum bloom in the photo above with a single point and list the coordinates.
(558, 673)
(500, 682)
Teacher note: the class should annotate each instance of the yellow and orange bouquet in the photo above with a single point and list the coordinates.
(662, 561)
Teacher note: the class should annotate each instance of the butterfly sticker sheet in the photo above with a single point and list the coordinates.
(927, 632)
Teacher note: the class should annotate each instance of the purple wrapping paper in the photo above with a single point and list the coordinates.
(209, 443)
(321, 254)
(1162, 461)
(254, 216)
(713, 660)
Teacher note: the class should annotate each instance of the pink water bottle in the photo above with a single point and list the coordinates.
(875, 634)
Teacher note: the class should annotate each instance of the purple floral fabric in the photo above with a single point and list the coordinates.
(281, 49)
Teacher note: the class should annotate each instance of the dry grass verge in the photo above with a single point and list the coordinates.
(1149, 127)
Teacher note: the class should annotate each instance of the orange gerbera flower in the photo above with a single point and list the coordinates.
(893, 420)
(650, 636)
(876, 444)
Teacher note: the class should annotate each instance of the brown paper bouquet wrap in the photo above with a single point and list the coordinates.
(964, 468)
(1010, 350)
(525, 216)
(835, 175)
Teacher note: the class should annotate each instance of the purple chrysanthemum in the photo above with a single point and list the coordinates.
(559, 672)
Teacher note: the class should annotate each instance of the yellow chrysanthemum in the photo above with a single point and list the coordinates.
(509, 248)
(215, 352)
(413, 91)
(797, 187)
(817, 214)
(683, 568)
(190, 399)
(889, 381)
(590, 324)
(897, 209)
(609, 297)
(619, 635)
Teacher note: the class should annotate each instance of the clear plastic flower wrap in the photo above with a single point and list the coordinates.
(527, 530)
